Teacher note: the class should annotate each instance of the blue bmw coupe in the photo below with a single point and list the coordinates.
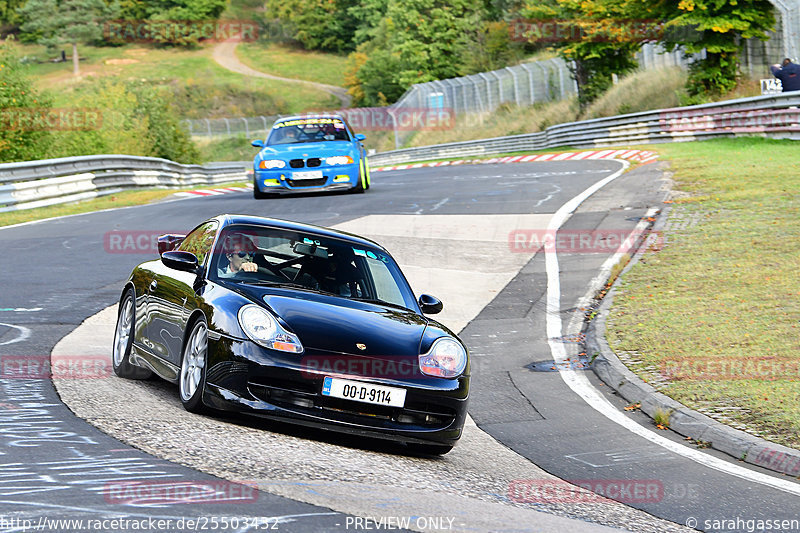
(310, 154)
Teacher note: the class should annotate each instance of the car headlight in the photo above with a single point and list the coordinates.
(446, 359)
(272, 163)
(339, 160)
(264, 330)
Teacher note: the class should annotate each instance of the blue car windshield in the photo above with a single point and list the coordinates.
(307, 130)
(272, 256)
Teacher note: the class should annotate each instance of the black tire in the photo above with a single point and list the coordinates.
(429, 449)
(192, 377)
(359, 187)
(258, 195)
(123, 341)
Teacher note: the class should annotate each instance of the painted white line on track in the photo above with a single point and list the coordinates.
(580, 384)
(24, 333)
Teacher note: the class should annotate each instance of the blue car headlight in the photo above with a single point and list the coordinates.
(339, 160)
(272, 163)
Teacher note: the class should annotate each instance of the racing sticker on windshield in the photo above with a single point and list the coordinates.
(337, 123)
(371, 255)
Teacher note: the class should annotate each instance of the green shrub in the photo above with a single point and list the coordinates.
(18, 99)
(137, 119)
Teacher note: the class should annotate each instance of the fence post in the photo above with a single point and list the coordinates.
(516, 85)
(499, 87)
(546, 80)
(488, 90)
(208, 126)
(560, 77)
(530, 82)
(246, 129)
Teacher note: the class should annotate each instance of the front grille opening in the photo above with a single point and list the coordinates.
(313, 162)
(308, 183)
(296, 163)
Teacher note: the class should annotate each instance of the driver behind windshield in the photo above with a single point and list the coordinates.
(239, 251)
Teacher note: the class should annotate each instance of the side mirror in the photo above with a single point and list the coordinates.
(185, 261)
(430, 305)
(168, 242)
(360, 136)
(258, 143)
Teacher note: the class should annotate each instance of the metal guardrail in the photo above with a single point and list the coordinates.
(54, 181)
(776, 116)
(47, 182)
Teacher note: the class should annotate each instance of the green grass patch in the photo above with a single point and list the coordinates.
(724, 289)
(203, 88)
(291, 62)
(121, 199)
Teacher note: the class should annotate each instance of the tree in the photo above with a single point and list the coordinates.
(598, 37)
(415, 42)
(317, 24)
(715, 26)
(20, 138)
(59, 22)
(8, 11)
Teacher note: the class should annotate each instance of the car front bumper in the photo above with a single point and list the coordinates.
(282, 181)
(246, 378)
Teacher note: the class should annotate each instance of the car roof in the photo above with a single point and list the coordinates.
(316, 115)
(230, 219)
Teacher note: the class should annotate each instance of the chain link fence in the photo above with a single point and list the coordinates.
(257, 127)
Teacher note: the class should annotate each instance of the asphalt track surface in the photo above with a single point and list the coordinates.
(59, 273)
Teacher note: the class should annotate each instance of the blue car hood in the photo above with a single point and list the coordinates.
(315, 149)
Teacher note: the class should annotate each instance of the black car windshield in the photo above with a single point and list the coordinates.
(272, 256)
(307, 130)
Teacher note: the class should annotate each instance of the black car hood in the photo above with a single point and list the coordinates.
(339, 325)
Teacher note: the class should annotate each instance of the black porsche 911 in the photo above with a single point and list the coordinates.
(295, 322)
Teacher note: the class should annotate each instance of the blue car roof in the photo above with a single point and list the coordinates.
(319, 115)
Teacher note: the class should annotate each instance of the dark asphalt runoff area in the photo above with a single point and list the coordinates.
(60, 272)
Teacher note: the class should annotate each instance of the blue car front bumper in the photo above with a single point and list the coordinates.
(281, 181)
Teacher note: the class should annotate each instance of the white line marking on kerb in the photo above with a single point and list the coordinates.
(579, 383)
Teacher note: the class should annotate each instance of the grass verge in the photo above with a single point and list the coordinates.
(712, 318)
(291, 62)
(121, 199)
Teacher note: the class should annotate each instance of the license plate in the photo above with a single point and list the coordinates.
(307, 175)
(359, 391)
